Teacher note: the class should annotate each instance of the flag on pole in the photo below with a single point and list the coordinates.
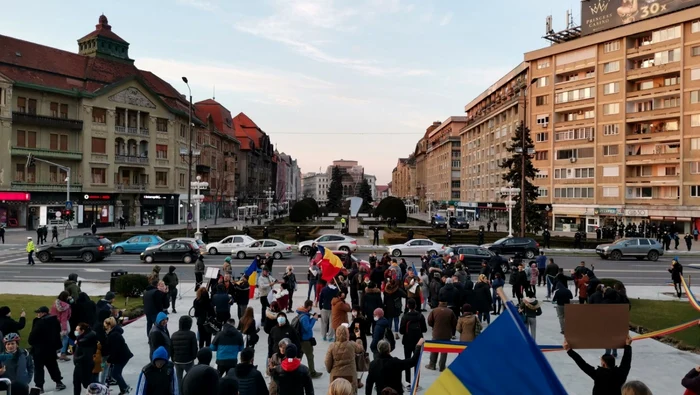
(505, 346)
(251, 274)
(330, 264)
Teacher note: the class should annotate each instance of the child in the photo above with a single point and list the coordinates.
(19, 367)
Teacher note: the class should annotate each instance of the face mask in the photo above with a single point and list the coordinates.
(354, 314)
(376, 318)
(76, 333)
(281, 320)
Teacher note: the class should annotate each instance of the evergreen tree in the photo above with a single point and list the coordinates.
(335, 191)
(366, 195)
(533, 217)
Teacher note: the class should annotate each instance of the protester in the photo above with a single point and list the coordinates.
(202, 378)
(551, 272)
(248, 328)
(371, 300)
(250, 380)
(199, 270)
(241, 294)
(159, 335)
(307, 322)
(534, 274)
(676, 271)
(635, 388)
(118, 354)
(530, 309)
(291, 280)
(691, 381)
(497, 283)
(222, 304)
(19, 367)
(412, 328)
(359, 327)
(328, 292)
(154, 302)
(264, 286)
(61, 310)
(393, 306)
(203, 311)
(85, 349)
(227, 344)
(228, 385)
(607, 378)
(341, 386)
(7, 324)
(468, 326)
(184, 347)
(172, 281)
(541, 263)
(276, 360)
(340, 358)
(444, 324)
(482, 299)
(385, 370)
(291, 376)
(313, 277)
(158, 377)
(271, 317)
(281, 331)
(382, 330)
(339, 312)
(45, 339)
(562, 296)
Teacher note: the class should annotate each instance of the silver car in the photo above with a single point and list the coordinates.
(333, 242)
(417, 247)
(276, 248)
(639, 248)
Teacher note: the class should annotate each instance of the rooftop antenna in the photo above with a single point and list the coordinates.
(213, 95)
(548, 25)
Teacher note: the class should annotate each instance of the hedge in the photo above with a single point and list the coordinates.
(301, 211)
(391, 207)
(131, 285)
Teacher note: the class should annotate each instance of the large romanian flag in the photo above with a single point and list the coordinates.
(504, 350)
(252, 274)
(330, 264)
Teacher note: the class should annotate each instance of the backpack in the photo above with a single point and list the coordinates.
(296, 325)
(413, 327)
(389, 336)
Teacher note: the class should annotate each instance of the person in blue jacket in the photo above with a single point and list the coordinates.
(158, 377)
(382, 325)
(307, 322)
(227, 344)
(19, 365)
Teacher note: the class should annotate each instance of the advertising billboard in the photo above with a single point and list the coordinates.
(599, 15)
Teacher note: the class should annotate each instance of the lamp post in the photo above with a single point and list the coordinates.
(189, 168)
(290, 195)
(510, 192)
(269, 193)
(198, 198)
(429, 195)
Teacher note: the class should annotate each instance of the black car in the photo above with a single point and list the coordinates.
(525, 246)
(459, 223)
(438, 222)
(471, 256)
(172, 251)
(88, 248)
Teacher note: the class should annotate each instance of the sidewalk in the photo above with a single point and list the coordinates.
(660, 366)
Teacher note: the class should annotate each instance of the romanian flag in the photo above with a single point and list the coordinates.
(252, 274)
(450, 347)
(330, 264)
(505, 346)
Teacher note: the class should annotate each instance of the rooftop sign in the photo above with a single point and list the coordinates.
(599, 15)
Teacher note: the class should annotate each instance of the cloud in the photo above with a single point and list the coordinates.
(446, 19)
(203, 5)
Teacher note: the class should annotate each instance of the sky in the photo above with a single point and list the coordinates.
(325, 79)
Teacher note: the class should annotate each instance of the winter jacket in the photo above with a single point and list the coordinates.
(264, 284)
(292, 378)
(551, 270)
(158, 381)
(468, 327)
(531, 307)
(676, 272)
(435, 287)
(307, 324)
(159, 336)
(221, 302)
(45, 336)
(541, 262)
(380, 328)
(83, 310)
(86, 347)
(448, 294)
(412, 328)
(154, 301)
(62, 311)
(371, 300)
(171, 281)
(562, 296)
(606, 380)
(201, 379)
(339, 312)
(227, 343)
(393, 305)
(534, 273)
(482, 297)
(443, 321)
(184, 342)
(8, 325)
(199, 267)
(280, 332)
(340, 360)
(241, 292)
(691, 381)
(387, 371)
(203, 309)
(118, 351)
(582, 285)
(19, 367)
(250, 380)
(325, 299)
(71, 286)
(270, 320)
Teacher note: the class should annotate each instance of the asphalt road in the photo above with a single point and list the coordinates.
(13, 267)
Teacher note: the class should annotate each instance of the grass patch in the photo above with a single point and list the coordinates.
(33, 302)
(654, 315)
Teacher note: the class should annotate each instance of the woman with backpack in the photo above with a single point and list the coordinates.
(530, 308)
(393, 305)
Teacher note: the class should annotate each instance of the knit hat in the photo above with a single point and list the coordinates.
(291, 351)
(379, 312)
(4, 311)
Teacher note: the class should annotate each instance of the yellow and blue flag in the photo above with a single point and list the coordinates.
(505, 346)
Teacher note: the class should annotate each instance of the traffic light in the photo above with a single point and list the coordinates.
(68, 215)
(30, 161)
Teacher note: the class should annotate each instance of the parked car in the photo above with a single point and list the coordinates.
(88, 248)
(639, 248)
(227, 244)
(199, 243)
(459, 223)
(137, 244)
(438, 222)
(333, 242)
(416, 247)
(526, 246)
(182, 250)
(471, 256)
(276, 248)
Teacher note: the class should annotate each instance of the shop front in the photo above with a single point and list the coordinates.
(467, 211)
(95, 208)
(492, 211)
(42, 209)
(159, 210)
(571, 218)
(14, 209)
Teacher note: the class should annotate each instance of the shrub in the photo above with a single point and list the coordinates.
(391, 207)
(131, 285)
(314, 205)
(610, 282)
(301, 211)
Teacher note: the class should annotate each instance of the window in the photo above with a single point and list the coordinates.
(671, 171)
(2, 97)
(695, 120)
(695, 74)
(695, 144)
(54, 109)
(574, 193)
(25, 174)
(611, 88)
(611, 171)
(578, 94)
(611, 191)
(21, 138)
(542, 82)
(63, 140)
(162, 178)
(161, 124)
(695, 51)
(694, 167)
(541, 155)
(31, 107)
(56, 175)
(610, 150)
(99, 145)
(98, 176)
(181, 182)
(695, 27)
(611, 67)
(541, 100)
(665, 57)
(666, 34)
(611, 130)
(53, 142)
(64, 111)
(574, 134)
(543, 120)
(642, 86)
(542, 64)
(639, 193)
(541, 137)
(564, 173)
(542, 192)
(99, 115)
(31, 139)
(22, 104)
(611, 108)
(695, 191)
(183, 131)
(611, 46)
(161, 151)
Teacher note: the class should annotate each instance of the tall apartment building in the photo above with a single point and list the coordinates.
(492, 118)
(616, 115)
(116, 127)
(444, 161)
(420, 154)
(255, 164)
(403, 178)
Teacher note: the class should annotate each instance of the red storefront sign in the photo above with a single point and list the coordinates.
(16, 196)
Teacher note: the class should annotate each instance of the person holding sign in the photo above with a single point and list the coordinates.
(607, 378)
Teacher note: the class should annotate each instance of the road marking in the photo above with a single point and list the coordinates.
(93, 270)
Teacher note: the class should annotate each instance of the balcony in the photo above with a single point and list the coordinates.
(162, 162)
(131, 131)
(203, 169)
(138, 160)
(650, 48)
(563, 125)
(653, 114)
(650, 159)
(44, 187)
(44, 121)
(131, 187)
(644, 72)
(46, 153)
(654, 92)
(574, 105)
(100, 158)
(634, 181)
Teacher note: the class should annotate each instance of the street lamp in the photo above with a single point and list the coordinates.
(198, 198)
(290, 195)
(189, 166)
(510, 192)
(269, 193)
(430, 195)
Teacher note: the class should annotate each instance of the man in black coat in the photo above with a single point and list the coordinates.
(184, 346)
(291, 376)
(202, 378)
(154, 302)
(385, 371)
(448, 293)
(607, 378)
(7, 324)
(412, 328)
(45, 339)
(250, 380)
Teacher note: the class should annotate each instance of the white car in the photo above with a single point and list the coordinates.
(227, 244)
(276, 248)
(334, 242)
(417, 247)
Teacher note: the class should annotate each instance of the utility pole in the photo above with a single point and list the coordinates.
(189, 163)
(31, 160)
